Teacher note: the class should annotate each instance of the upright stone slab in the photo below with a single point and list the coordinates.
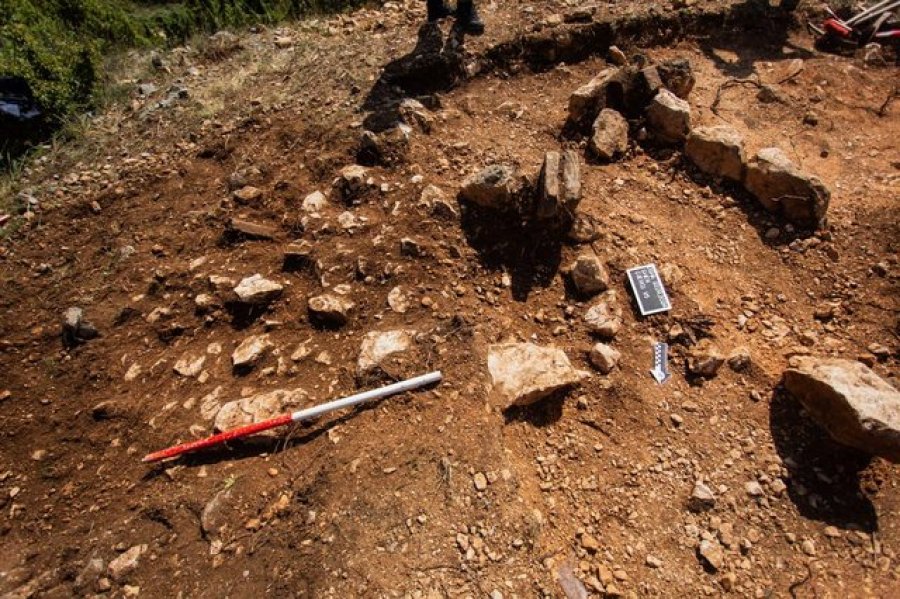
(669, 117)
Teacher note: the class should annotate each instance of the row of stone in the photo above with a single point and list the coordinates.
(659, 92)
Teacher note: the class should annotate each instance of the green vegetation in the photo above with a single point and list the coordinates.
(57, 46)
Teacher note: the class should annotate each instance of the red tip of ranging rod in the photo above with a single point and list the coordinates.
(235, 433)
(315, 411)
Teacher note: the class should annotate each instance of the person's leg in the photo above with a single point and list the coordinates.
(437, 10)
(467, 17)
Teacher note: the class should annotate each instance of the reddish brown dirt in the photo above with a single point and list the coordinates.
(380, 502)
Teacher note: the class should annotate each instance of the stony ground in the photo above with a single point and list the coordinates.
(205, 179)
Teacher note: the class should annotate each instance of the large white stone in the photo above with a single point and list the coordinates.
(523, 373)
(259, 407)
(250, 351)
(856, 406)
(379, 345)
(257, 290)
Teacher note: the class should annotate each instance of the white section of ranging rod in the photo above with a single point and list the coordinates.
(865, 11)
(872, 11)
(400, 387)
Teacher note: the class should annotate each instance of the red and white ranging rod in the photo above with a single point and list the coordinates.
(298, 416)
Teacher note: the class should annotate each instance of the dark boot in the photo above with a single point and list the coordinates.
(467, 18)
(437, 10)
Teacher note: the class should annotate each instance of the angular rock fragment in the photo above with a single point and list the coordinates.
(559, 186)
(352, 183)
(717, 150)
(702, 498)
(856, 406)
(609, 135)
(523, 373)
(387, 148)
(588, 275)
(239, 227)
(584, 229)
(495, 187)
(677, 75)
(712, 554)
(669, 117)
(586, 101)
(125, 564)
(605, 317)
(247, 195)
(250, 351)
(415, 115)
(705, 361)
(378, 346)
(605, 357)
(314, 202)
(75, 329)
(435, 200)
(298, 255)
(257, 408)
(256, 290)
(190, 365)
(784, 189)
(329, 310)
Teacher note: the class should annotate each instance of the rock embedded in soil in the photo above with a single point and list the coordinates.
(328, 309)
(605, 317)
(856, 406)
(523, 373)
(604, 357)
(250, 351)
(378, 346)
(256, 290)
(126, 563)
(705, 361)
(496, 187)
(251, 230)
(437, 203)
(257, 408)
(717, 151)
(388, 148)
(75, 329)
(712, 554)
(559, 186)
(414, 114)
(782, 188)
(588, 275)
(352, 183)
(609, 135)
(739, 360)
(584, 229)
(702, 498)
(314, 202)
(247, 195)
(189, 365)
(669, 117)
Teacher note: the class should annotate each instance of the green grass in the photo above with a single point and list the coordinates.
(58, 47)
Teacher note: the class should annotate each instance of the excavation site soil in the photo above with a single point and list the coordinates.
(716, 481)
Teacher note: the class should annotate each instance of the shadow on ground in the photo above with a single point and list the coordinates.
(825, 482)
(433, 65)
(770, 27)
(528, 251)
